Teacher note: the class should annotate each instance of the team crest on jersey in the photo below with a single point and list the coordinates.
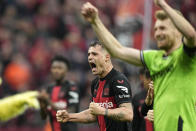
(106, 91)
(120, 81)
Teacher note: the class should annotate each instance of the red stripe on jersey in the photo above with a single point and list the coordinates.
(99, 96)
(149, 126)
(55, 94)
(100, 89)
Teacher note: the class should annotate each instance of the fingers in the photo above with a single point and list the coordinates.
(150, 115)
(62, 116)
(150, 94)
(151, 85)
(95, 108)
(91, 105)
(151, 90)
(89, 11)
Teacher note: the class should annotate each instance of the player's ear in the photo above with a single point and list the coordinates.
(108, 58)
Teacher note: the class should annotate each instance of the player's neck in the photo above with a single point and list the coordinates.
(106, 71)
(59, 82)
(173, 48)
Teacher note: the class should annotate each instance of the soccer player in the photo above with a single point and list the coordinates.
(173, 68)
(62, 94)
(147, 106)
(111, 95)
(143, 99)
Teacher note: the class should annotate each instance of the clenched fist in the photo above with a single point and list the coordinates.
(96, 109)
(89, 12)
(62, 116)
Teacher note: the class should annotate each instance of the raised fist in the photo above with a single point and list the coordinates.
(89, 12)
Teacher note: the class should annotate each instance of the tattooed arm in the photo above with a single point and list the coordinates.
(123, 113)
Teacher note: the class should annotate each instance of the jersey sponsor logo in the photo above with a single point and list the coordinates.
(74, 97)
(123, 96)
(123, 88)
(106, 104)
(61, 104)
(120, 81)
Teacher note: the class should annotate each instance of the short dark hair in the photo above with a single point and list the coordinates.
(95, 43)
(61, 58)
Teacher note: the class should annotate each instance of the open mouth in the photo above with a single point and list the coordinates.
(92, 65)
(160, 38)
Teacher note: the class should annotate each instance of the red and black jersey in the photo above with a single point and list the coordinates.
(140, 110)
(110, 92)
(64, 95)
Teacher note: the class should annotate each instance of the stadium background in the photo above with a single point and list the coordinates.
(33, 31)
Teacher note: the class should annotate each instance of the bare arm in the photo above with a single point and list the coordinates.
(81, 117)
(180, 22)
(123, 113)
(129, 55)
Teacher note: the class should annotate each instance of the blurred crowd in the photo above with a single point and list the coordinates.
(33, 31)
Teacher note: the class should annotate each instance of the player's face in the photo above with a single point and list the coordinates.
(164, 34)
(97, 60)
(58, 70)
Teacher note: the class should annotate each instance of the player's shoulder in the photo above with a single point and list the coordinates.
(152, 52)
(48, 87)
(118, 75)
(95, 81)
(69, 85)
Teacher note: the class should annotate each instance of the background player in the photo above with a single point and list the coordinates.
(62, 94)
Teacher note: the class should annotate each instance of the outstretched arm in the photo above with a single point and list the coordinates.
(123, 113)
(129, 55)
(180, 22)
(81, 117)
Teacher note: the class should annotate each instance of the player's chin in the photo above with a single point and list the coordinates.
(94, 73)
(162, 45)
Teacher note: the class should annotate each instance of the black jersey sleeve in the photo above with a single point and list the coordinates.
(122, 90)
(189, 51)
(94, 84)
(145, 108)
(73, 94)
